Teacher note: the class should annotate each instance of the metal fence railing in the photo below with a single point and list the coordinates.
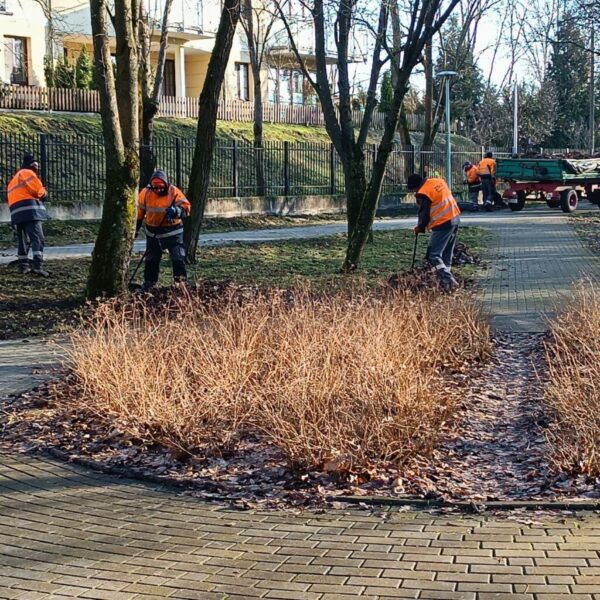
(73, 167)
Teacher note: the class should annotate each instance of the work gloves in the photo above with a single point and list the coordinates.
(173, 212)
(417, 229)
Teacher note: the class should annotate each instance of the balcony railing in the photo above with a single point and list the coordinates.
(88, 101)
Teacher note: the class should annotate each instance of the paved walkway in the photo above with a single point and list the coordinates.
(535, 256)
(265, 235)
(68, 532)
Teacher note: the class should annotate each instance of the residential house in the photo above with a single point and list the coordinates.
(33, 29)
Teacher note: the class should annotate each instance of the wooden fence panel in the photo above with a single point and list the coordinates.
(68, 100)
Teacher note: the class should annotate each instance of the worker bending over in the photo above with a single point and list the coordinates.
(26, 197)
(487, 173)
(163, 206)
(473, 182)
(438, 213)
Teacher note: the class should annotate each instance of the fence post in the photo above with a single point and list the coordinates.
(235, 173)
(178, 171)
(286, 168)
(482, 152)
(332, 169)
(44, 157)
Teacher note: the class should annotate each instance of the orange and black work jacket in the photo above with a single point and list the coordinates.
(26, 195)
(487, 167)
(436, 204)
(472, 175)
(153, 208)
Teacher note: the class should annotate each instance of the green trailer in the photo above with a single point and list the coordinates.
(561, 182)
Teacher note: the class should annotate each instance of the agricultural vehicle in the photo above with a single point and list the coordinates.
(561, 182)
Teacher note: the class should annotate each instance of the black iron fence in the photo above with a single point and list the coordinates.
(73, 167)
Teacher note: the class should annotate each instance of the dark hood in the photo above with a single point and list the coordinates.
(160, 175)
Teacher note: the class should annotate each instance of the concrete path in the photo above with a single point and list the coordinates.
(267, 235)
(67, 532)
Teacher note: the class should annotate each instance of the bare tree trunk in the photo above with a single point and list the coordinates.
(259, 159)
(364, 221)
(119, 113)
(151, 86)
(428, 98)
(207, 122)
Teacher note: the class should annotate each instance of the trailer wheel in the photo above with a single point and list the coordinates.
(516, 207)
(568, 200)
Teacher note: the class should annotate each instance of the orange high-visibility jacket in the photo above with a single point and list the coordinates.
(443, 205)
(26, 195)
(153, 207)
(487, 167)
(472, 174)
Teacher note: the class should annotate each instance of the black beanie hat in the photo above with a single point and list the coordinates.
(28, 161)
(414, 182)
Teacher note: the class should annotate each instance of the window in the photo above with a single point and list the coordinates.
(15, 60)
(243, 84)
(168, 86)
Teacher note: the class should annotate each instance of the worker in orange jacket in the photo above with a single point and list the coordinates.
(473, 181)
(440, 214)
(163, 206)
(487, 173)
(26, 196)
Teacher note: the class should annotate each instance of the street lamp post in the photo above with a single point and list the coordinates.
(447, 75)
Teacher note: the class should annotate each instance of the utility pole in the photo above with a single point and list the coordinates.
(515, 148)
(592, 114)
(447, 75)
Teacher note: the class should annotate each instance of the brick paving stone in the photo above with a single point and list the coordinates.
(65, 530)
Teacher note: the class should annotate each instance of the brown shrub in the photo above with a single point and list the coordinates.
(573, 389)
(346, 377)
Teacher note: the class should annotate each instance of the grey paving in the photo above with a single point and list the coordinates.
(264, 235)
(69, 532)
(226, 238)
(535, 257)
(26, 363)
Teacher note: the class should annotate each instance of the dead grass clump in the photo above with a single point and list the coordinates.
(573, 390)
(349, 379)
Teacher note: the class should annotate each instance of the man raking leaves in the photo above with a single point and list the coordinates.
(163, 206)
(438, 213)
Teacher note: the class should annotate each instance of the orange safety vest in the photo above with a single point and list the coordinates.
(487, 167)
(443, 205)
(26, 194)
(153, 207)
(473, 175)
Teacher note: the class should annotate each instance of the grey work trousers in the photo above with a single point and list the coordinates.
(441, 249)
(474, 193)
(154, 251)
(488, 187)
(31, 235)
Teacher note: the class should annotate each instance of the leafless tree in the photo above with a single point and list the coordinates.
(151, 81)
(207, 123)
(470, 14)
(257, 19)
(418, 21)
(120, 130)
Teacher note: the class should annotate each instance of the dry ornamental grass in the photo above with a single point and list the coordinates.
(340, 380)
(573, 389)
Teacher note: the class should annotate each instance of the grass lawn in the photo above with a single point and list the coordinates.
(34, 306)
(62, 233)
